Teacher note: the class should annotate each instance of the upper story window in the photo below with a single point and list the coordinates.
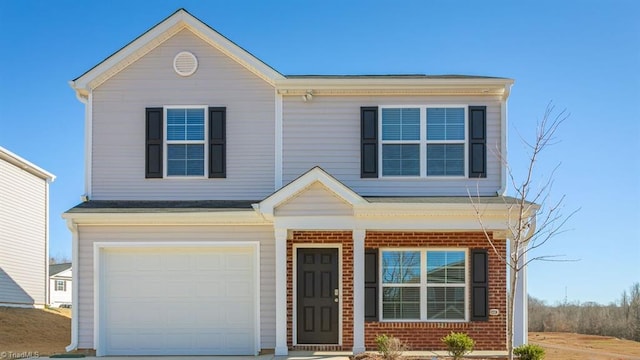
(424, 285)
(185, 141)
(423, 141)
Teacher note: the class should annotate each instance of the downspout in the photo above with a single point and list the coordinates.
(47, 290)
(503, 141)
(73, 227)
(87, 100)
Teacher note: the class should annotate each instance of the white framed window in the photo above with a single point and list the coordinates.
(185, 142)
(423, 141)
(423, 285)
(61, 285)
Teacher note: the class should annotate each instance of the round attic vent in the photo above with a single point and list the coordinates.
(185, 63)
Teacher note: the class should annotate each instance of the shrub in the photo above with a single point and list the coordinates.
(529, 352)
(458, 344)
(391, 348)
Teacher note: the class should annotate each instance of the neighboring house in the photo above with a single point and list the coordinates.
(233, 209)
(60, 285)
(24, 231)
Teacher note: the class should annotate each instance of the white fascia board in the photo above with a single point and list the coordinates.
(25, 165)
(480, 86)
(248, 217)
(268, 205)
(156, 36)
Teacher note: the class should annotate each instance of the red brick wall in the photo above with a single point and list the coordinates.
(345, 239)
(489, 335)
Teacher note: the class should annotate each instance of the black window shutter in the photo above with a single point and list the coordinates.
(369, 142)
(477, 141)
(371, 285)
(153, 143)
(479, 285)
(217, 142)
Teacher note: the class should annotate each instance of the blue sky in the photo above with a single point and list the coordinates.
(582, 55)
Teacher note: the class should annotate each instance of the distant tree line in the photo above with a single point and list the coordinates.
(620, 319)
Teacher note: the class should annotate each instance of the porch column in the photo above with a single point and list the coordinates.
(358, 291)
(521, 317)
(281, 292)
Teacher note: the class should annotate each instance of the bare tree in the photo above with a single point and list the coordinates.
(533, 216)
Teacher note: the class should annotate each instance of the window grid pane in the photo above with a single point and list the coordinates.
(401, 267)
(401, 124)
(445, 124)
(445, 267)
(445, 159)
(401, 302)
(445, 303)
(185, 124)
(401, 159)
(185, 160)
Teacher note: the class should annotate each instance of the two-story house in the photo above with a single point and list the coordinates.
(232, 209)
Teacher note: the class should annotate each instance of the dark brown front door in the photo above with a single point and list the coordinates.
(317, 298)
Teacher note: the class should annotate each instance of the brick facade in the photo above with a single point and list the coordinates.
(489, 335)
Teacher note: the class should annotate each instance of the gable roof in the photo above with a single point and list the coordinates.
(58, 268)
(396, 84)
(304, 181)
(152, 38)
(25, 165)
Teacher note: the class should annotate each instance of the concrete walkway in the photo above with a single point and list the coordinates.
(307, 355)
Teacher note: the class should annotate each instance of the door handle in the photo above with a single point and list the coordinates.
(336, 293)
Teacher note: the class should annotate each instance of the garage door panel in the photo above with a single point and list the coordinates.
(179, 301)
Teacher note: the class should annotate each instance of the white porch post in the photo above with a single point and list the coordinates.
(520, 311)
(358, 291)
(281, 292)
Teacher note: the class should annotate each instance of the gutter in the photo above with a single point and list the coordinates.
(503, 141)
(73, 227)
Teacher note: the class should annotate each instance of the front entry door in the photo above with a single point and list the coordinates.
(317, 296)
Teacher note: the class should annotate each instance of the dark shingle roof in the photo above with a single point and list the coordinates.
(393, 76)
(442, 199)
(177, 206)
(58, 268)
(116, 206)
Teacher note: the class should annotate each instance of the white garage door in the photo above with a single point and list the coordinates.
(178, 301)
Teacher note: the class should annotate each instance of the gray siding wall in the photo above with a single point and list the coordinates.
(90, 234)
(118, 163)
(315, 200)
(23, 278)
(325, 132)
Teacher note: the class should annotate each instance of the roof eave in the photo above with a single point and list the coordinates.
(395, 85)
(26, 165)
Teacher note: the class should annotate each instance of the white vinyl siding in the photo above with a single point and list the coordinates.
(325, 132)
(118, 128)
(90, 234)
(23, 257)
(316, 200)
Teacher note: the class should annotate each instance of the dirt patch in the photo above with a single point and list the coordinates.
(31, 331)
(568, 346)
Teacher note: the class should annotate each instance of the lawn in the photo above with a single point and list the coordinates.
(44, 332)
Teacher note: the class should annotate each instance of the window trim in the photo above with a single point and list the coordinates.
(423, 284)
(64, 285)
(423, 142)
(204, 142)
